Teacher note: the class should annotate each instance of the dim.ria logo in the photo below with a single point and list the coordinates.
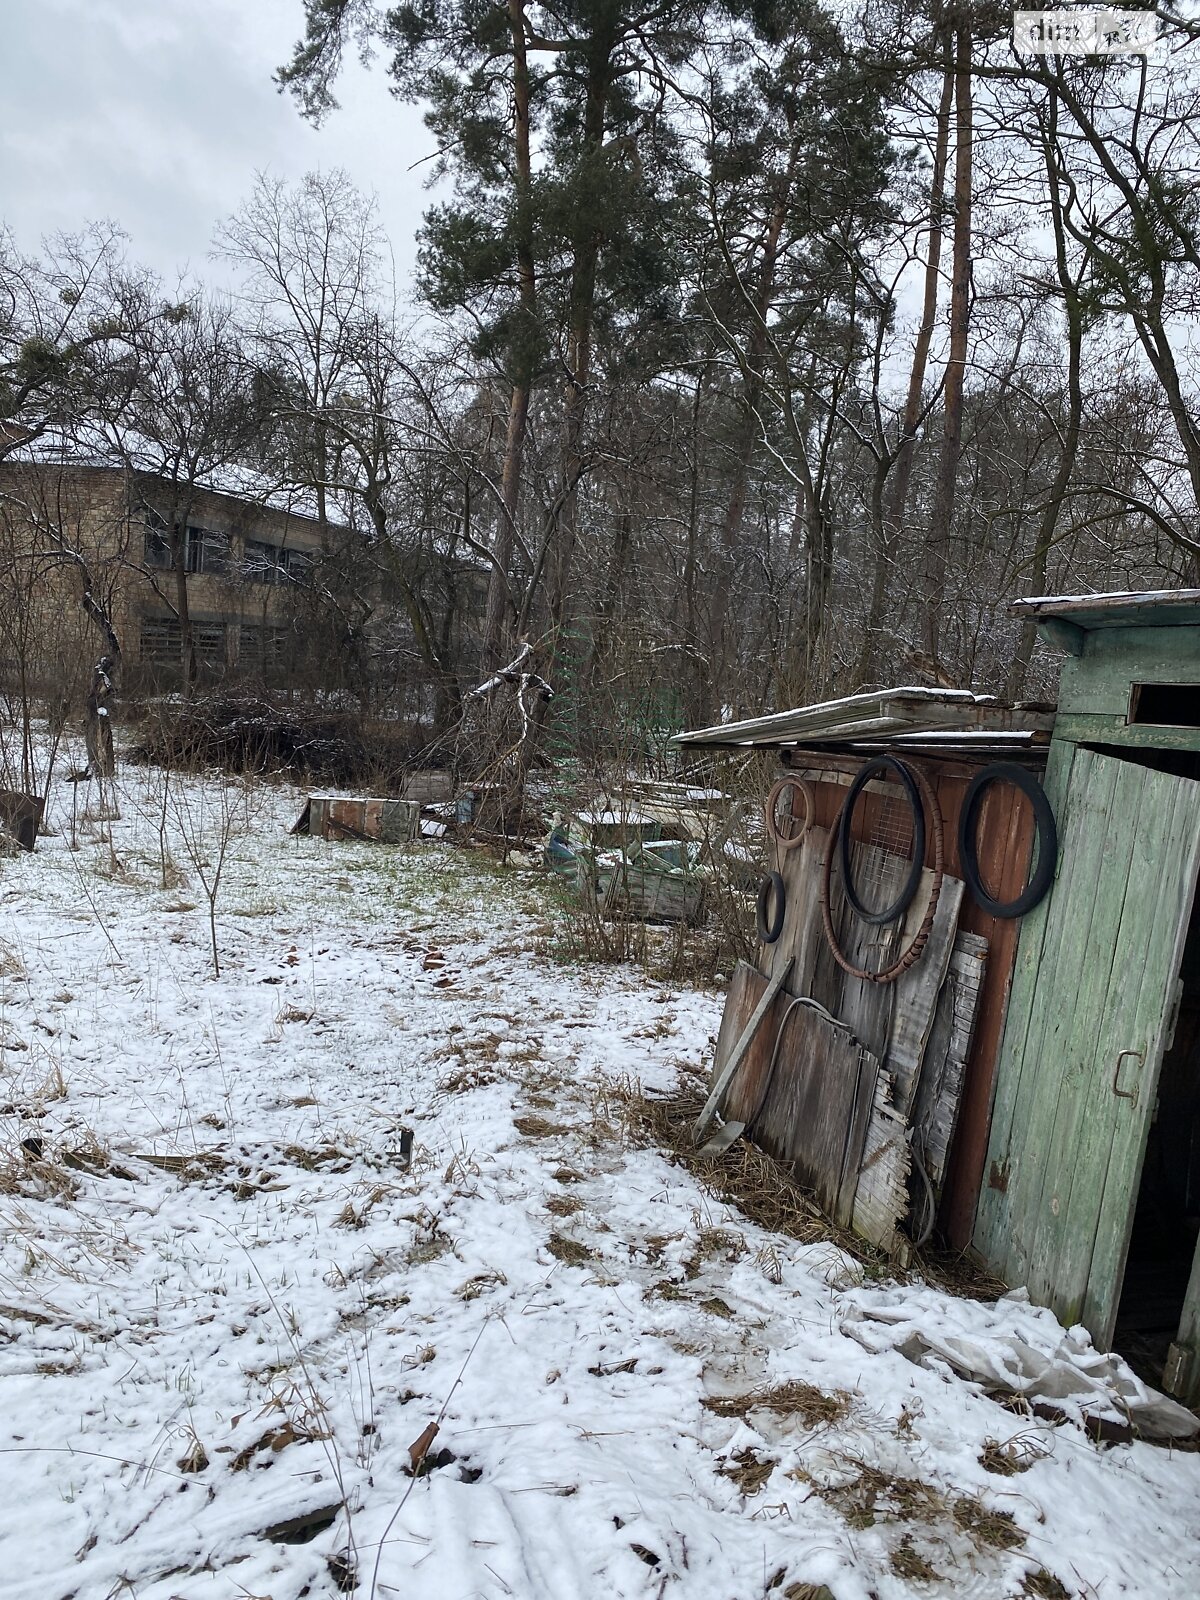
(1085, 32)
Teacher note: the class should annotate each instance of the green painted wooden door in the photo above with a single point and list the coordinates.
(1084, 1034)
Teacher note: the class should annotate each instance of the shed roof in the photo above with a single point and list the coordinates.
(1154, 608)
(945, 721)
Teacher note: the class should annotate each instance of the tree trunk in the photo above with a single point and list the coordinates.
(887, 514)
(747, 438)
(897, 500)
(177, 539)
(941, 521)
(499, 595)
(1051, 511)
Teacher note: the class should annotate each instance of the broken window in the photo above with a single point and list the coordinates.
(206, 551)
(209, 639)
(158, 542)
(262, 561)
(261, 648)
(1164, 705)
(161, 639)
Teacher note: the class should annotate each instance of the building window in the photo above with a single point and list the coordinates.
(206, 551)
(261, 649)
(161, 639)
(299, 564)
(262, 561)
(209, 640)
(203, 549)
(158, 543)
(268, 563)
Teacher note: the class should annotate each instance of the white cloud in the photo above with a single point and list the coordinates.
(157, 114)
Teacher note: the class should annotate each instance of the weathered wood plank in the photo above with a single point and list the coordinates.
(1016, 1072)
(746, 989)
(1114, 934)
(1092, 729)
(866, 1008)
(1071, 996)
(1151, 944)
(881, 1196)
(1182, 1376)
(1106, 798)
(1099, 683)
(802, 937)
(808, 1113)
(915, 992)
(744, 1041)
(939, 1091)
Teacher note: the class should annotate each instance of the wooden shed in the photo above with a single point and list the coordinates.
(1092, 1191)
(932, 1037)
(1058, 1050)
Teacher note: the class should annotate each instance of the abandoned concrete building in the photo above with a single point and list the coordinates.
(224, 558)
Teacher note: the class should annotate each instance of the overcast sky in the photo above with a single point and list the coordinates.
(156, 114)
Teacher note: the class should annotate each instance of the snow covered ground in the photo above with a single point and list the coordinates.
(227, 1307)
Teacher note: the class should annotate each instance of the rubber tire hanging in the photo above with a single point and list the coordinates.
(873, 769)
(768, 932)
(929, 802)
(1047, 839)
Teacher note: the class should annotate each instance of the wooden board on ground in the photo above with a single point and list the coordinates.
(939, 1091)
(808, 1115)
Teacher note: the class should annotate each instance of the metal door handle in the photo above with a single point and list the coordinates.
(1126, 1094)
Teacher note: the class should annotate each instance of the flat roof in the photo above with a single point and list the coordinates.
(913, 715)
(1150, 608)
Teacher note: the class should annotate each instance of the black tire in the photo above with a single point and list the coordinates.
(772, 883)
(873, 769)
(1047, 839)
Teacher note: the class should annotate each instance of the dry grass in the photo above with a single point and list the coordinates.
(767, 1192)
(11, 965)
(482, 1281)
(273, 1440)
(1015, 1455)
(1044, 1585)
(191, 1168)
(535, 1127)
(569, 1251)
(996, 1529)
(795, 1398)
(749, 1470)
(716, 1307)
(465, 1079)
(761, 1188)
(31, 1168)
(563, 1205)
(726, 1243)
(313, 1158)
(908, 1562)
(877, 1496)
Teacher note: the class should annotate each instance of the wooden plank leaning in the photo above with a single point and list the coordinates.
(739, 1050)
